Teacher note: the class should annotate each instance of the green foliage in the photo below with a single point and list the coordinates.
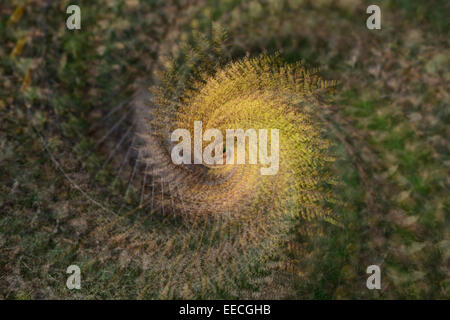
(388, 130)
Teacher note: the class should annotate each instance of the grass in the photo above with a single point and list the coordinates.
(391, 111)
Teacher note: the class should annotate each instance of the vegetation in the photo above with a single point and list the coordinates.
(68, 196)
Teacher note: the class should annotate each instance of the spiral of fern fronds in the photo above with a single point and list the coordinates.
(252, 93)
